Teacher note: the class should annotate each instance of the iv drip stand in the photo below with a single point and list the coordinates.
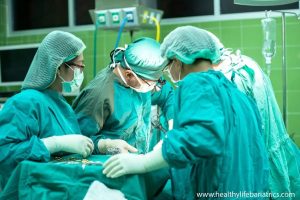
(284, 96)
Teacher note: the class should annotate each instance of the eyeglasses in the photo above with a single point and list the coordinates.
(76, 65)
(138, 77)
(146, 81)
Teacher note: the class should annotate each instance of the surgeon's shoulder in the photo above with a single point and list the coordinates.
(29, 96)
(25, 99)
(199, 81)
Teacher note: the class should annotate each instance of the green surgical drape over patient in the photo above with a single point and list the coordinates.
(25, 119)
(216, 144)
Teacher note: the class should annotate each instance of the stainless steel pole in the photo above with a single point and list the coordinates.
(284, 96)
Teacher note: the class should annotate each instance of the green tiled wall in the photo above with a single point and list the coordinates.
(243, 34)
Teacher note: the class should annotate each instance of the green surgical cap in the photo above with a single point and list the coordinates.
(144, 58)
(56, 48)
(188, 43)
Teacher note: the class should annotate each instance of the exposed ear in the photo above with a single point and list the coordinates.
(128, 74)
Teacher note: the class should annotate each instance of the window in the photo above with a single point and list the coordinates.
(35, 14)
(82, 15)
(184, 8)
(39, 14)
(14, 64)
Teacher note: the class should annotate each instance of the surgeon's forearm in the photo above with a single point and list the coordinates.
(154, 160)
(52, 144)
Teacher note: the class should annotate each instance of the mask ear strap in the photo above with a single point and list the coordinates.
(121, 75)
(128, 66)
(137, 78)
(181, 67)
(59, 76)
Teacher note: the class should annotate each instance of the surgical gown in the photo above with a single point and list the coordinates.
(25, 119)
(283, 153)
(216, 144)
(108, 109)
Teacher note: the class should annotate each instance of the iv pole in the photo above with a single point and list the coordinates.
(284, 96)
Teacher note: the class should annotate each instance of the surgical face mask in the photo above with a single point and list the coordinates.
(73, 85)
(169, 74)
(143, 87)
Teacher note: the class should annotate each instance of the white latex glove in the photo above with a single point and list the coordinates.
(158, 145)
(72, 143)
(108, 146)
(122, 164)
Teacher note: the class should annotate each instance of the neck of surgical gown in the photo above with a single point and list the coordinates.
(216, 144)
(25, 119)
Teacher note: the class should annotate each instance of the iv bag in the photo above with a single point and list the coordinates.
(269, 36)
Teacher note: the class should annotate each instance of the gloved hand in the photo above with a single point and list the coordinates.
(108, 146)
(72, 143)
(122, 164)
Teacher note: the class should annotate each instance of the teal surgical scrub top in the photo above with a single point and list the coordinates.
(25, 119)
(216, 144)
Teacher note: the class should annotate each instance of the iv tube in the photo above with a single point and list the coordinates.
(269, 43)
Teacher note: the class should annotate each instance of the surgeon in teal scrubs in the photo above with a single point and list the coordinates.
(114, 108)
(38, 121)
(283, 153)
(216, 145)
